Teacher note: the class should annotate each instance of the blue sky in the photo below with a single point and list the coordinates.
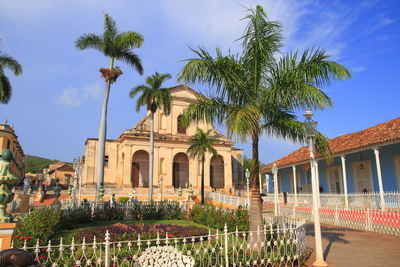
(56, 102)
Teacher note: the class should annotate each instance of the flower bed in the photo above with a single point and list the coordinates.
(123, 232)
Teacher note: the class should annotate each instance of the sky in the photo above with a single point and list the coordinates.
(56, 103)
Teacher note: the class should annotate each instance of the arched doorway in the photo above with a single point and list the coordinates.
(140, 169)
(217, 172)
(180, 170)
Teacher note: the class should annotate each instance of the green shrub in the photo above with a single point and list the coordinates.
(123, 200)
(41, 223)
(71, 218)
(217, 217)
(166, 210)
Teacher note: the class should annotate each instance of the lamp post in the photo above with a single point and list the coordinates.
(275, 173)
(248, 187)
(310, 126)
(77, 165)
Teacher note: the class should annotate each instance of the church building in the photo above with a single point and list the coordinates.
(126, 162)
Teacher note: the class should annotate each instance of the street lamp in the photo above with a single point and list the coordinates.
(248, 187)
(310, 126)
(77, 165)
(275, 173)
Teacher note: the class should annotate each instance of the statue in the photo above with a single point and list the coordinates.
(57, 189)
(27, 186)
(7, 181)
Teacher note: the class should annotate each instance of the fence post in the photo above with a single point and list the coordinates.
(107, 250)
(226, 245)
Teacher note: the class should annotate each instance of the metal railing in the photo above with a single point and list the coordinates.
(226, 199)
(356, 200)
(277, 244)
(373, 220)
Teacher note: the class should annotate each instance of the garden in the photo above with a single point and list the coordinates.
(120, 235)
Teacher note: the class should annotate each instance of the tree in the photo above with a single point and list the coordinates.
(201, 144)
(153, 97)
(7, 62)
(256, 92)
(115, 46)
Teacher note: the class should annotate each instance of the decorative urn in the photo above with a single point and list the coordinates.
(7, 181)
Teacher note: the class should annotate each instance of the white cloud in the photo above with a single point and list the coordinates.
(74, 97)
(357, 69)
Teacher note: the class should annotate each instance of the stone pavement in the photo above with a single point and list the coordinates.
(344, 247)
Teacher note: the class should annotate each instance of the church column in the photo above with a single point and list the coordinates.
(207, 185)
(127, 167)
(227, 172)
(169, 169)
(156, 169)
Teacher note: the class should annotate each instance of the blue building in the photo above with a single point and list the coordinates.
(364, 161)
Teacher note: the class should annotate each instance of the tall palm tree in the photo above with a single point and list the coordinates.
(7, 62)
(256, 92)
(201, 144)
(153, 97)
(115, 46)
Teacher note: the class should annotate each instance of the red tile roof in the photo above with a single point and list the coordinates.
(376, 135)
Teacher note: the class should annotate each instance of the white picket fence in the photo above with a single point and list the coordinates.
(370, 200)
(281, 243)
(373, 220)
(226, 199)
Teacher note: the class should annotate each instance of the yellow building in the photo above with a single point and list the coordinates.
(127, 158)
(61, 170)
(9, 140)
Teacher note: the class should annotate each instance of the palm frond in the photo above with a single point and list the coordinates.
(129, 40)
(131, 59)
(202, 143)
(243, 121)
(90, 40)
(10, 63)
(110, 28)
(5, 89)
(205, 109)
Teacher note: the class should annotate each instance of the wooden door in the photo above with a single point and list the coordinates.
(135, 174)
(362, 176)
(335, 179)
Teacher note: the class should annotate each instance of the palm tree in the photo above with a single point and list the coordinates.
(7, 62)
(200, 144)
(153, 97)
(256, 92)
(115, 46)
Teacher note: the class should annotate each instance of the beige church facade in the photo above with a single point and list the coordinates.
(127, 158)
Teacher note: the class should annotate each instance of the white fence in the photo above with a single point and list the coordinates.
(278, 244)
(226, 199)
(386, 222)
(356, 200)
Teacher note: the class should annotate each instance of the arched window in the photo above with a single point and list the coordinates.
(181, 130)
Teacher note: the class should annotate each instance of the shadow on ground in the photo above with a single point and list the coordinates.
(331, 234)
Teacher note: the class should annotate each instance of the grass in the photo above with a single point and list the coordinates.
(67, 235)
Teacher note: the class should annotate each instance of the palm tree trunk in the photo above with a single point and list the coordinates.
(202, 180)
(151, 159)
(102, 139)
(256, 220)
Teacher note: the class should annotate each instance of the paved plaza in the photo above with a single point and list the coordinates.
(345, 247)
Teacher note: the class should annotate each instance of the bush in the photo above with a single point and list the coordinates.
(123, 200)
(40, 224)
(215, 217)
(72, 217)
(163, 210)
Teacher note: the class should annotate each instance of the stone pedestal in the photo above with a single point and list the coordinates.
(6, 232)
(24, 203)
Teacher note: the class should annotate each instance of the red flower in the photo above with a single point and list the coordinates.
(41, 257)
(25, 237)
(17, 236)
(170, 235)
